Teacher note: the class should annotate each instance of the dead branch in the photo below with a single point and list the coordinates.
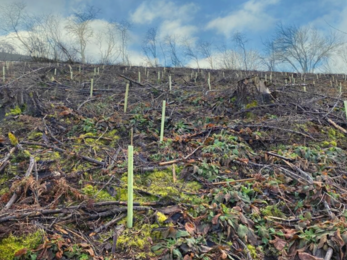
(27, 174)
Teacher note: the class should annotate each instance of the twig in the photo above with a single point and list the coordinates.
(50, 132)
(336, 126)
(110, 223)
(244, 248)
(232, 182)
(85, 102)
(117, 232)
(134, 81)
(4, 161)
(281, 129)
(279, 156)
(307, 177)
(329, 254)
(114, 158)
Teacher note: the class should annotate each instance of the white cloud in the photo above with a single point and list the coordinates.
(153, 9)
(252, 17)
(176, 30)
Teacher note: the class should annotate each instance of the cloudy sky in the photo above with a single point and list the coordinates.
(214, 21)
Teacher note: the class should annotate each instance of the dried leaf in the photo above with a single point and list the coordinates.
(307, 256)
(21, 252)
(278, 243)
(289, 233)
(215, 219)
(224, 254)
(190, 227)
(187, 257)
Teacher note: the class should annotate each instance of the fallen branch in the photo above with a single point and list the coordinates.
(110, 223)
(336, 126)
(134, 81)
(27, 174)
(4, 161)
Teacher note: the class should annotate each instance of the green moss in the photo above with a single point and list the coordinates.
(4, 191)
(50, 155)
(15, 111)
(34, 135)
(138, 239)
(272, 210)
(91, 191)
(252, 104)
(161, 217)
(158, 183)
(193, 186)
(9, 246)
(328, 144)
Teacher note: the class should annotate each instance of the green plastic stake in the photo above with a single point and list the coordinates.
(162, 122)
(158, 76)
(140, 76)
(130, 187)
(170, 84)
(345, 102)
(79, 68)
(55, 72)
(340, 88)
(91, 87)
(71, 75)
(94, 71)
(126, 97)
(3, 73)
(98, 71)
(304, 88)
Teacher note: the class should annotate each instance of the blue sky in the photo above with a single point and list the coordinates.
(211, 20)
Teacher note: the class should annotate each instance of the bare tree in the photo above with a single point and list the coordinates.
(163, 52)
(304, 48)
(240, 41)
(79, 27)
(191, 52)
(149, 46)
(107, 42)
(271, 57)
(171, 43)
(205, 48)
(14, 20)
(6, 50)
(61, 49)
(123, 29)
(228, 59)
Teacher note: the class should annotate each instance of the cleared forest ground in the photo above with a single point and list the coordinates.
(231, 180)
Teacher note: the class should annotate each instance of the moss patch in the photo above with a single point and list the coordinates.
(10, 245)
(91, 191)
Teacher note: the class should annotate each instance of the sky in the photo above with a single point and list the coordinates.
(204, 20)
